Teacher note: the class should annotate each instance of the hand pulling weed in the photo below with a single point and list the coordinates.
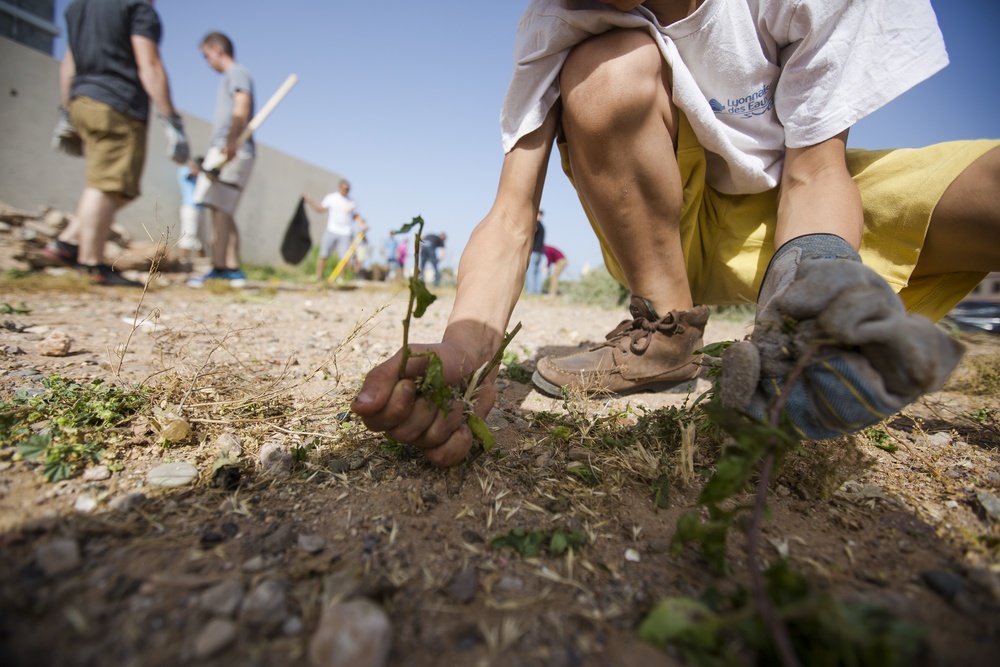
(432, 384)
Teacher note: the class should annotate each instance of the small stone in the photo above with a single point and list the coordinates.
(496, 420)
(990, 503)
(56, 344)
(508, 584)
(944, 583)
(228, 445)
(356, 633)
(311, 544)
(96, 474)
(223, 599)
(265, 604)
(940, 439)
(85, 504)
(292, 627)
(127, 502)
(57, 557)
(464, 585)
(279, 539)
(216, 636)
(275, 460)
(255, 564)
(172, 475)
(632, 555)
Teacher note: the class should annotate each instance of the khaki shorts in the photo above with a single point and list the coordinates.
(223, 194)
(728, 239)
(115, 146)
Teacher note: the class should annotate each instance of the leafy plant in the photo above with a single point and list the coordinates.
(529, 543)
(65, 426)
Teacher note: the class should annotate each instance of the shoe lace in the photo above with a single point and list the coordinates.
(639, 332)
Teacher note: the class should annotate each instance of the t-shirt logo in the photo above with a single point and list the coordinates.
(754, 104)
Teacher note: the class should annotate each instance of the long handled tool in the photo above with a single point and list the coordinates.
(347, 256)
(213, 169)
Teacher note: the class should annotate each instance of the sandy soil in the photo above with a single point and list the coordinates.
(358, 517)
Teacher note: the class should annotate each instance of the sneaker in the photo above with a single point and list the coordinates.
(234, 277)
(62, 253)
(107, 276)
(647, 353)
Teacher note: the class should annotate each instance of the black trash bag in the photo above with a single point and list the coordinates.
(297, 243)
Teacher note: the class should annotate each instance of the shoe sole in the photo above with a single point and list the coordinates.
(556, 391)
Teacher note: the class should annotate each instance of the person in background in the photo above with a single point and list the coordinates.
(226, 167)
(556, 262)
(192, 216)
(111, 71)
(391, 250)
(342, 213)
(533, 279)
(431, 252)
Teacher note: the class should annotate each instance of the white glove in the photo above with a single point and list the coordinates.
(65, 138)
(178, 149)
(872, 358)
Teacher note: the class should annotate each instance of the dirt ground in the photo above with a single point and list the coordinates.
(261, 553)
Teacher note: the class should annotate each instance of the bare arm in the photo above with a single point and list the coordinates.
(241, 116)
(817, 194)
(67, 70)
(152, 75)
(312, 204)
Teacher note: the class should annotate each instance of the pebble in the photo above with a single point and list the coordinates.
(58, 556)
(292, 626)
(311, 544)
(941, 439)
(25, 372)
(632, 555)
(96, 474)
(215, 637)
(255, 564)
(496, 420)
(508, 584)
(990, 503)
(85, 504)
(464, 585)
(228, 444)
(265, 604)
(944, 583)
(275, 460)
(223, 599)
(56, 344)
(356, 633)
(126, 503)
(172, 475)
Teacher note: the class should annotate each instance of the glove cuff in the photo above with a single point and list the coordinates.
(808, 246)
(173, 120)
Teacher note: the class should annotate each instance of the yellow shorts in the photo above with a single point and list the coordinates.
(115, 146)
(728, 240)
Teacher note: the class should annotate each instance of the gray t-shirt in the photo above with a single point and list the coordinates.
(236, 78)
(100, 37)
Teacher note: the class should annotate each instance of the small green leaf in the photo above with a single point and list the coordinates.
(481, 432)
(423, 296)
(714, 349)
(34, 446)
(416, 222)
(661, 492)
(433, 386)
(676, 618)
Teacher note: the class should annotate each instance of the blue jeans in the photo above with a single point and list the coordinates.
(429, 255)
(533, 279)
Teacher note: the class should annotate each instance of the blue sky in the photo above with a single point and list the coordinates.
(403, 98)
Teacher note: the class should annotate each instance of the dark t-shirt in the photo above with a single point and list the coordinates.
(432, 242)
(538, 244)
(100, 37)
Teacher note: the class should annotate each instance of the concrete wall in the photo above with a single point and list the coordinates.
(32, 174)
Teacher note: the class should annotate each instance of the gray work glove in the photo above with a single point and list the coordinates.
(65, 138)
(873, 358)
(178, 149)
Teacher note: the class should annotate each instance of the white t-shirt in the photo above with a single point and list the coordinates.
(341, 211)
(751, 76)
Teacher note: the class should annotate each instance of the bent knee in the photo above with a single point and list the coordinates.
(610, 76)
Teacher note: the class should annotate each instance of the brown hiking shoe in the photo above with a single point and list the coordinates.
(648, 353)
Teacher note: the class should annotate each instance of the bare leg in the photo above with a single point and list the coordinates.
(320, 267)
(94, 214)
(621, 127)
(226, 246)
(964, 233)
